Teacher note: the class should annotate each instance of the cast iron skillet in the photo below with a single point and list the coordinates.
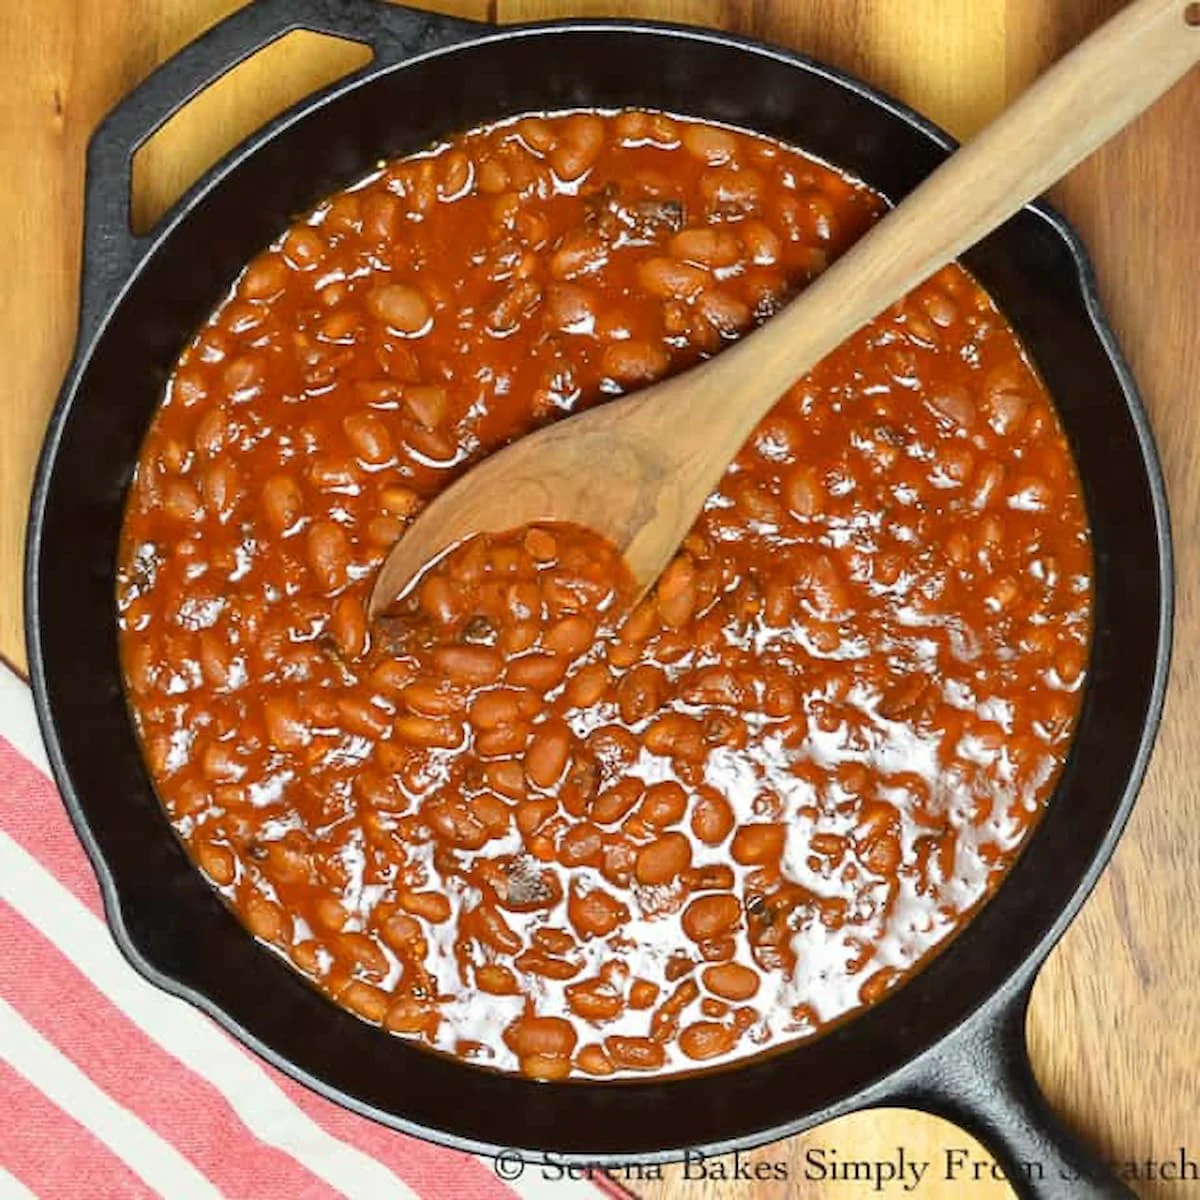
(951, 1041)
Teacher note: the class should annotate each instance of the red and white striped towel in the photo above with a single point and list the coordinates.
(110, 1088)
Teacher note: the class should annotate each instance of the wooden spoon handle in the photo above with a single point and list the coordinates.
(1081, 102)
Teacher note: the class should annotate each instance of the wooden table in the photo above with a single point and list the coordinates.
(1115, 1025)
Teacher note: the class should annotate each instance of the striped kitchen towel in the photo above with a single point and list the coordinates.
(110, 1088)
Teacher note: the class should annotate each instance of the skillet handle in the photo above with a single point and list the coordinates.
(112, 251)
(981, 1079)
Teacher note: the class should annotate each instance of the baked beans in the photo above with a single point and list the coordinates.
(512, 819)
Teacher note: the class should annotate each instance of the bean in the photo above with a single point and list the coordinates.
(640, 693)
(726, 313)
(286, 728)
(409, 1014)
(472, 666)
(761, 242)
(882, 854)
(265, 277)
(215, 658)
(493, 178)
(380, 218)
(670, 279)
(533, 814)
(541, 672)
(706, 246)
(496, 980)
(664, 804)
(428, 405)
(502, 741)
(217, 862)
(546, 1067)
(706, 1039)
(663, 860)
(758, 844)
(580, 146)
(634, 361)
(304, 248)
(569, 308)
(369, 960)
(1005, 410)
(402, 307)
(330, 914)
(403, 934)
(631, 125)
(831, 845)
(495, 931)
(348, 625)
(677, 736)
(432, 698)
(264, 918)
(730, 980)
(578, 254)
(954, 404)
(713, 877)
(492, 709)
(211, 431)
(457, 171)
(453, 821)
(491, 812)
(440, 599)
(552, 1036)
(433, 906)
(369, 436)
(594, 1000)
(663, 130)
(399, 501)
(729, 192)
(429, 732)
(635, 1053)
(676, 594)
(618, 801)
(593, 1059)
(709, 143)
(877, 985)
(328, 552)
(514, 305)
(507, 778)
(939, 308)
(222, 490)
(708, 917)
(548, 754)
(570, 636)
(581, 845)
(712, 817)
(642, 623)
(595, 913)
(537, 134)
(181, 501)
(335, 474)
(360, 716)
(587, 686)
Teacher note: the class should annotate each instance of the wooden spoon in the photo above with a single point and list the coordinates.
(639, 469)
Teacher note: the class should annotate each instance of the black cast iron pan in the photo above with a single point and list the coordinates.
(951, 1040)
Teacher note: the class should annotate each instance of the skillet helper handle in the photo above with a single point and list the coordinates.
(112, 250)
(1081, 102)
(981, 1079)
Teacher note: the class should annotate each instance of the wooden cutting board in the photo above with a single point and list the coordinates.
(1115, 1024)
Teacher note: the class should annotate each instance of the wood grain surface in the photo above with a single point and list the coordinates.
(1115, 1025)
